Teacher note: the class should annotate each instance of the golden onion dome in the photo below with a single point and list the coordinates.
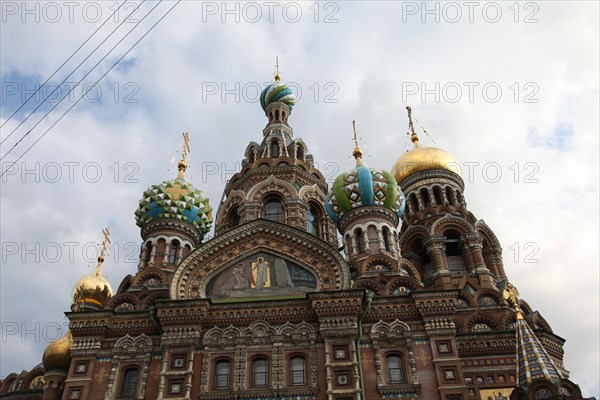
(422, 158)
(93, 288)
(58, 353)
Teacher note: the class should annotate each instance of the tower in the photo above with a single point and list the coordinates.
(278, 180)
(439, 235)
(366, 204)
(173, 216)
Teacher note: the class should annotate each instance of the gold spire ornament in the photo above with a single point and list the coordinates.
(413, 135)
(186, 149)
(94, 288)
(511, 295)
(357, 153)
(277, 75)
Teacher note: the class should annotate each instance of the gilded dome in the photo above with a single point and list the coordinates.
(58, 353)
(423, 159)
(175, 199)
(363, 186)
(93, 288)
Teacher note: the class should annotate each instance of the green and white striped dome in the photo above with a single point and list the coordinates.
(364, 186)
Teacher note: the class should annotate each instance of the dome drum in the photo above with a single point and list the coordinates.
(171, 227)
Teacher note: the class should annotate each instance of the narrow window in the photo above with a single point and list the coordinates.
(394, 367)
(361, 240)
(386, 239)
(274, 211)
(312, 221)
(222, 374)
(173, 252)
(274, 149)
(259, 372)
(130, 379)
(297, 371)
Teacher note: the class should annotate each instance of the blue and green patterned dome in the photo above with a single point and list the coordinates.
(175, 199)
(277, 92)
(363, 186)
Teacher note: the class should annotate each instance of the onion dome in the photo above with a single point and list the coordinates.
(363, 186)
(175, 199)
(92, 289)
(57, 355)
(422, 158)
(277, 92)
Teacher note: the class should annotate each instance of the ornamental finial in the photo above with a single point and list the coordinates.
(413, 135)
(357, 153)
(511, 295)
(186, 149)
(277, 75)
(105, 241)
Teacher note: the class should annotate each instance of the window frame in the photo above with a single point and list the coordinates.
(268, 215)
(390, 371)
(255, 374)
(293, 371)
(216, 374)
(125, 383)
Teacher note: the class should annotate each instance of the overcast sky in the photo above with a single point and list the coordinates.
(510, 89)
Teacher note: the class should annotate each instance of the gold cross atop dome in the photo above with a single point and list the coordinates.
(413, 135)
(186, 149)
(105, 241)
(357, 153)
(277, 74)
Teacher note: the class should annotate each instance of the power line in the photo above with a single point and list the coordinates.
(78, 100)
(77, 84)
(72, 72)
(63, 64)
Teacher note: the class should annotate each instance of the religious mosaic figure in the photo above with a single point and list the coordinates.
(262, 273)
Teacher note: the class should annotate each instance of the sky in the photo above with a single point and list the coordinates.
(509, 89)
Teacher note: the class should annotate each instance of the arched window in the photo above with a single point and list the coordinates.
(395, 370)
(386, 239)
(130, 380)
(297, 370)
(274, 149)
(425, 196)
(260, 374)
(234, 217)
(361, 240)
(437, 195)
(450, 195)
(222, 370)
(173, 251)
(312, 221)
(148, 252)
(274, 211)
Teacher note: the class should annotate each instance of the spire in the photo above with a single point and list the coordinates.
(413, 135)
(106, 233)
(357, 153)
(186, 149)
(533, 362)
(277, 75)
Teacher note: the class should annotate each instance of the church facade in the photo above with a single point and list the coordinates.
(412, 303)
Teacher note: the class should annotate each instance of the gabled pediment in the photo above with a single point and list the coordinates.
(260, 258)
